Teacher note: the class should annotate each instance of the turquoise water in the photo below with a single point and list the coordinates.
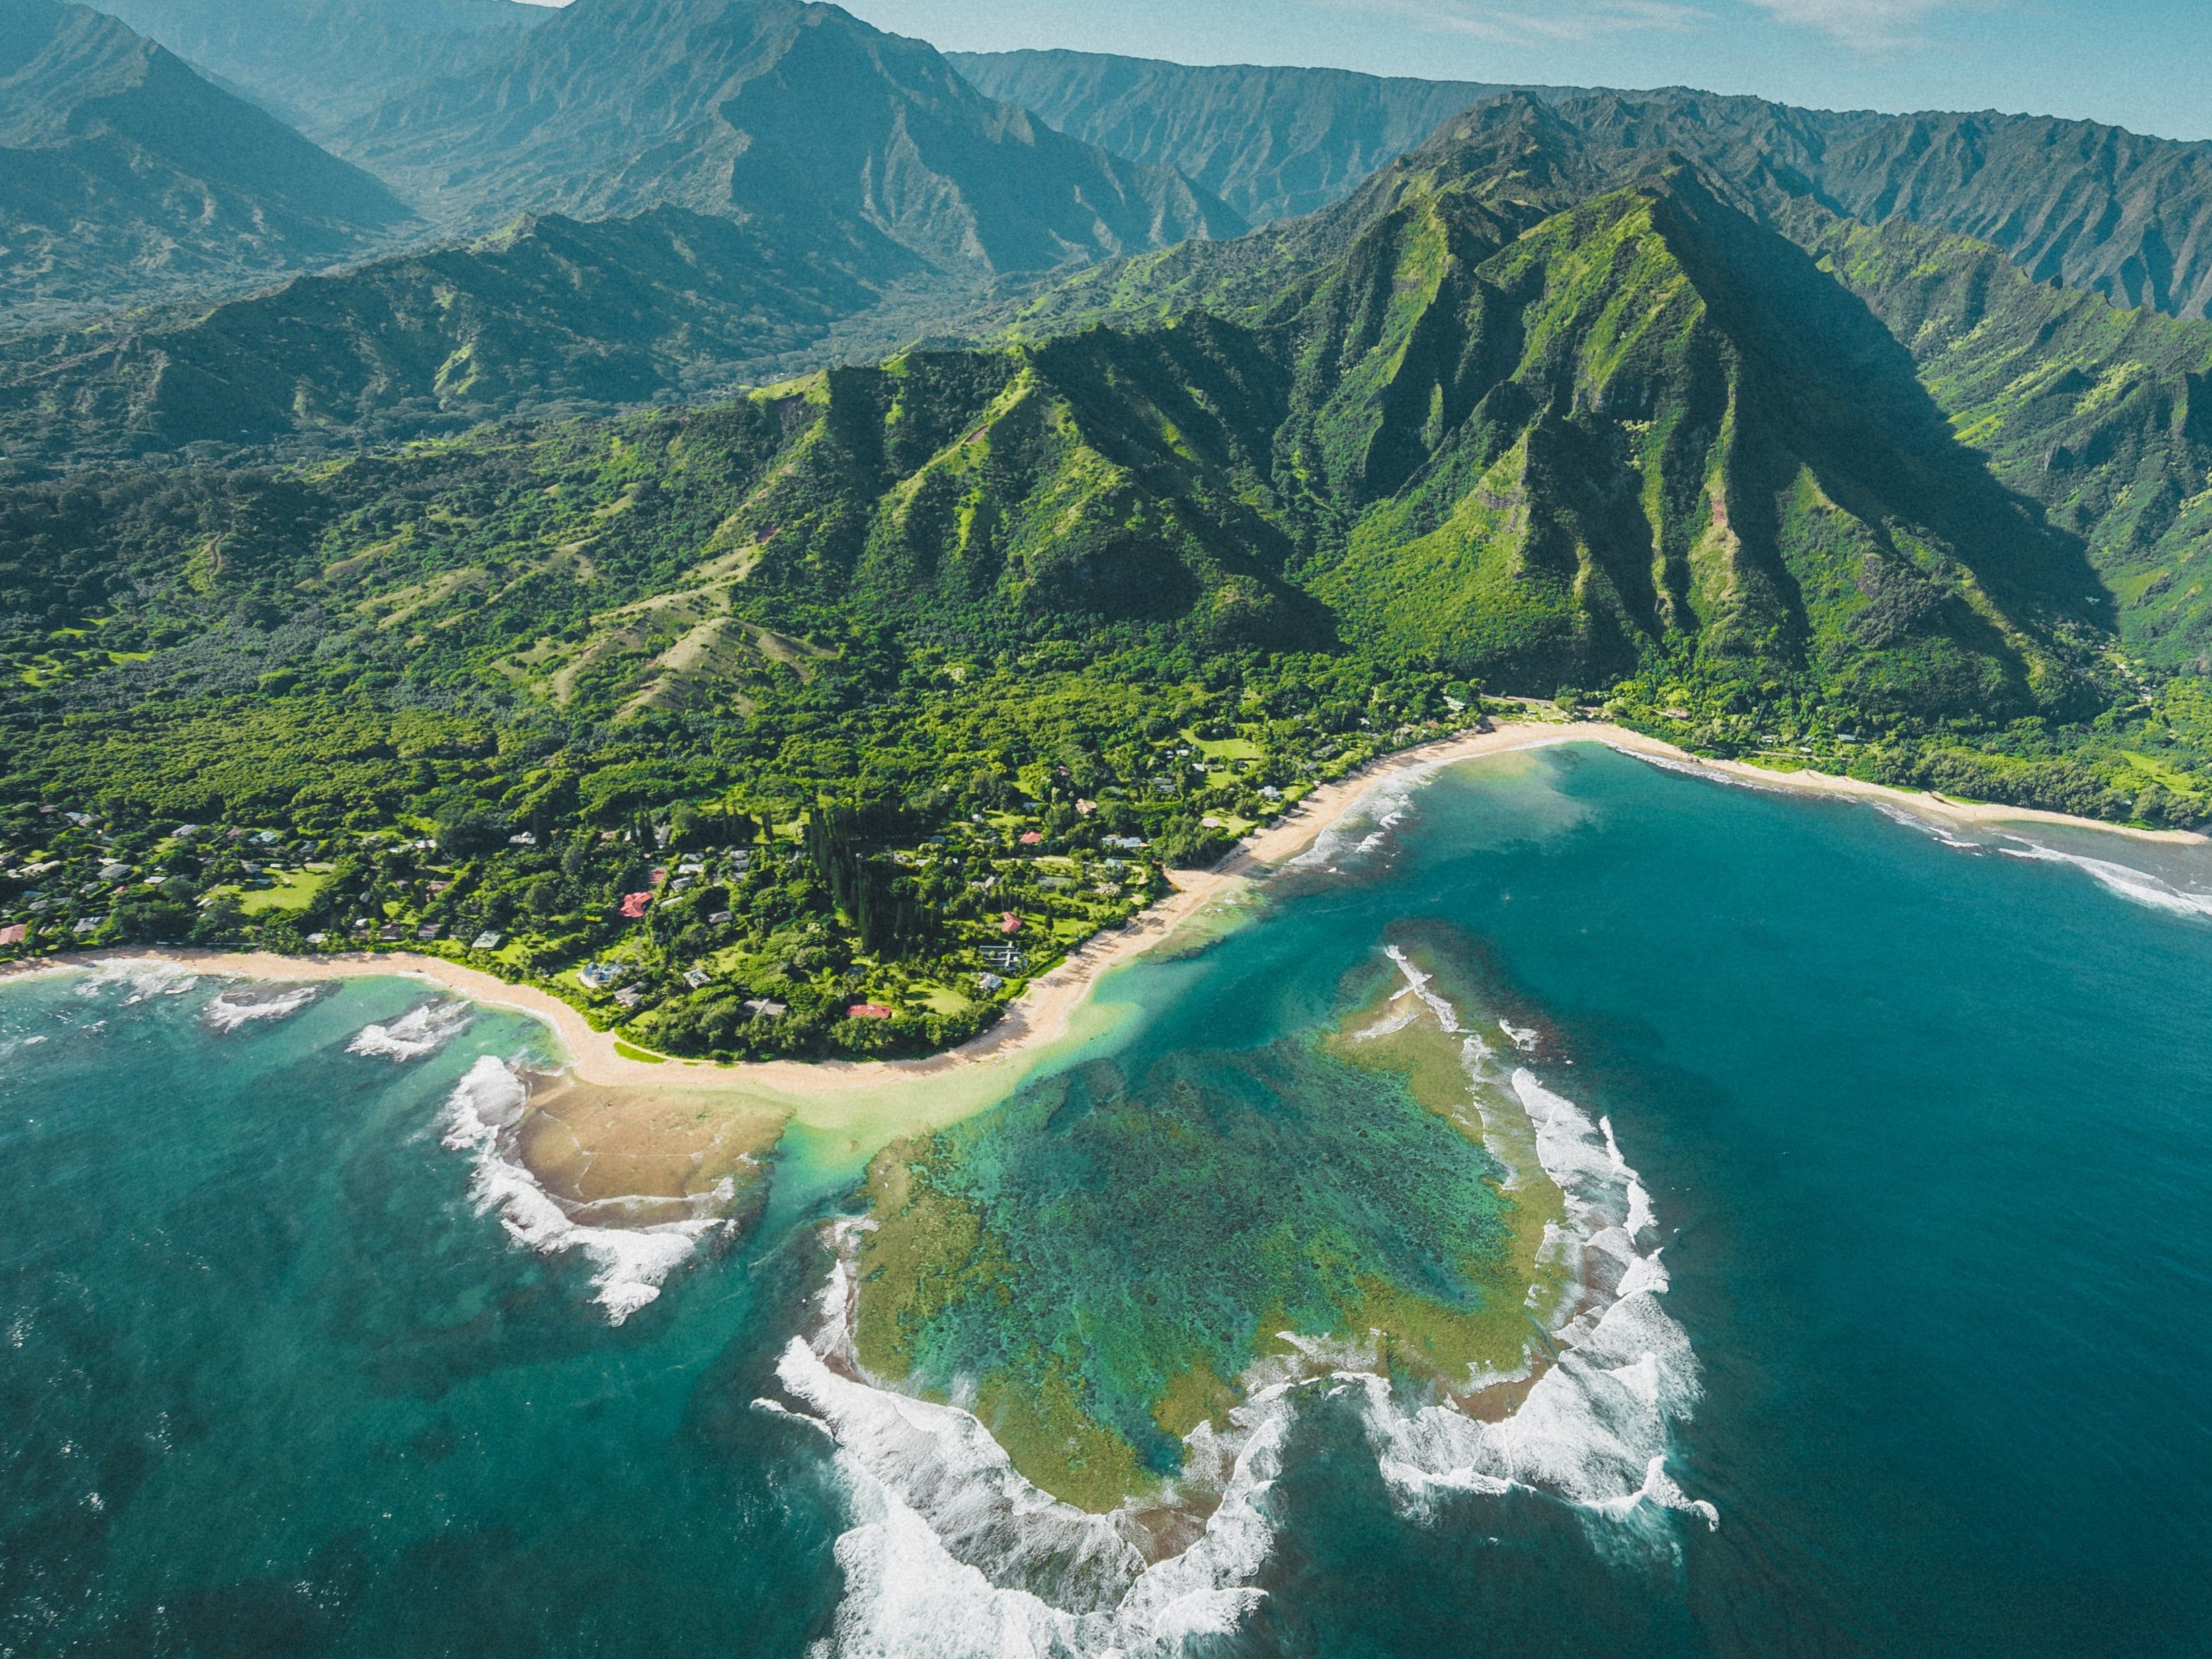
(1926, 1128)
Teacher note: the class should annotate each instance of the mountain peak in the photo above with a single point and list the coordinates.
(123, 173)
(778, 110)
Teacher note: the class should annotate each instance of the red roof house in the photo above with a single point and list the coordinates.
(869, 1011)
(1009, 922)
(633, 905)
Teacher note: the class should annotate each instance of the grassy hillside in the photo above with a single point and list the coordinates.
(547, 316)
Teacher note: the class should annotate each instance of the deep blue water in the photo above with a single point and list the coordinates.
(1929, 1128)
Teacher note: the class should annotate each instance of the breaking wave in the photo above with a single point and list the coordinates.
(417, 1032)
(2123, 880)
(1367, 822)
(146, 977)
(230, 1011)
(951, 1551)
(630, 1263)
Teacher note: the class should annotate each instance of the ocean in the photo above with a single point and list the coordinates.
(1879, 1148)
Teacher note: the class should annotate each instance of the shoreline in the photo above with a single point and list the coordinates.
(1045, 1011)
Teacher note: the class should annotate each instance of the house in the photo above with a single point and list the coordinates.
(14, 933)
(719, 917)
(429, 930)
(868, 1010)
(633, 906)
(988, 982)
(391, 931)
(1009, 922)
(1031, 837)
(697, 977)
(87, 924)
(1269, 792)
(598, 976)
(630, 996)
(1003, 958)
(487, 940)
(765, 1008)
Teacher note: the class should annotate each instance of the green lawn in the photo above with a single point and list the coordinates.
(1221, 749)
(2154, 769)
(294, 891)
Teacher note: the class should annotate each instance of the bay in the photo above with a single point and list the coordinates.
(1924, 1118)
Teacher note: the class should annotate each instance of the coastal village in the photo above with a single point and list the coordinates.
(709, 933)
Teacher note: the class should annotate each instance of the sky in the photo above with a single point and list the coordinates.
(2145, 64)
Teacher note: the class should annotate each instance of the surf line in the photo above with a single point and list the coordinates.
(948, 1536)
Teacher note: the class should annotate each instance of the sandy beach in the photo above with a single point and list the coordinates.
(1043, 1014)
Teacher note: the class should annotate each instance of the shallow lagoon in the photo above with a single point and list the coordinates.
(1924, 1127)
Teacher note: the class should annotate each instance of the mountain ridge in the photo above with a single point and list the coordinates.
(546, 316)
(2096, 207)
(780, 111)
(125, 175)
(319, 63)
(1274, 143)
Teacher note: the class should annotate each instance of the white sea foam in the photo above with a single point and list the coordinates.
(2124, 880)
(417, 1032)
(1418, 983)
(229, 1011)
(948, 1539)
(953, 1553)
(1377, 811)
(146, 976)
(631, 1262)
(1595, 1427)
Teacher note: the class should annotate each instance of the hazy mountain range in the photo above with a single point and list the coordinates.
(1271, 142)
(320, 63)
(123, 173)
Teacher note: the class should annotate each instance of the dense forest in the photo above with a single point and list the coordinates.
(818, 720)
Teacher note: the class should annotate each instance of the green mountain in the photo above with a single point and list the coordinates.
(791, 116)
(1530, 411)
(548, 316)
(2101, 416)
(1484, 427)
(1271, 142)
(2089, 206)
(124, 175)
(319, 63)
